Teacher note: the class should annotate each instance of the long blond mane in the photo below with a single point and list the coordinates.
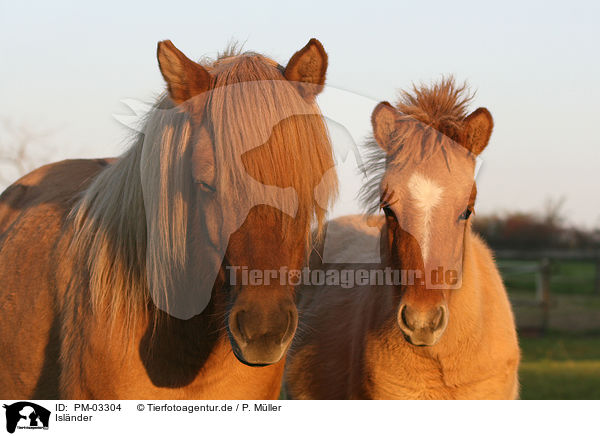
(111, 233)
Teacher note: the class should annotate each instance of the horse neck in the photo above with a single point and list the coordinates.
(166, 337)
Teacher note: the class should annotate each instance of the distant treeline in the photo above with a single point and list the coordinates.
(525, 231)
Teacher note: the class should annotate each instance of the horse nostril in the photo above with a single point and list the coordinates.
(439, 319)
(405, 318)
(237, 326)
(290, 328)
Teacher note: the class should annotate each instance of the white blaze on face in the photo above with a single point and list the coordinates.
(426, 194)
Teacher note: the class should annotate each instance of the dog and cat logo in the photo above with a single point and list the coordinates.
(26, 415)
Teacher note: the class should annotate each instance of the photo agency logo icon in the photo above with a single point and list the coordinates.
(25, 415)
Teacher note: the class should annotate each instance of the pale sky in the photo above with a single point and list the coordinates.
(66, 66)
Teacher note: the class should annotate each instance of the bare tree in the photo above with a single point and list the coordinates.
(553, 212)
(20, 150)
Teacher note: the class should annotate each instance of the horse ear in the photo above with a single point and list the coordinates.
(307, 68)
(477, 130)
(383, 120)
(185, 78)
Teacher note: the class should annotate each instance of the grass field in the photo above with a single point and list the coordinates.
(563, 363)
(561, 366)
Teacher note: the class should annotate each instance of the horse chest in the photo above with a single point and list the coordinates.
(112, 375)
(410, 378)
(408, 382)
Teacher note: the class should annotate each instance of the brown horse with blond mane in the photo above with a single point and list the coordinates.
(446, 333)
(114, 279)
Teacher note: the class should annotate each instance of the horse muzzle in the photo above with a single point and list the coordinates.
(261, 337)
(423, 328)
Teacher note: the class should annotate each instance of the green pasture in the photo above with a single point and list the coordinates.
(560, 366)
(564, 362)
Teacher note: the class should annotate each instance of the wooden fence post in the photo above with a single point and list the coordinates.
(545, 269)
(597, 285)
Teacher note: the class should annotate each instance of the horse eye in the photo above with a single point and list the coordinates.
(206, 187)
(466, 214)
(388, 212)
